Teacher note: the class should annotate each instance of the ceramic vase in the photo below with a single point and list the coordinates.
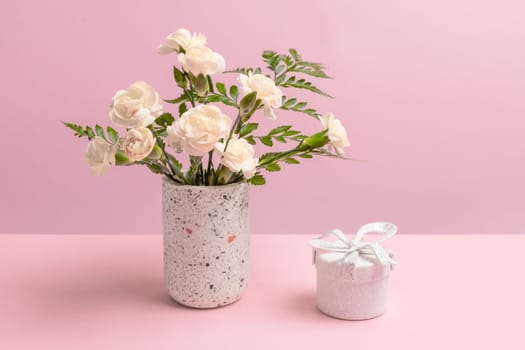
(206, 243)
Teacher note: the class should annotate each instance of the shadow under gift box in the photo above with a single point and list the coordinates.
(355, 291)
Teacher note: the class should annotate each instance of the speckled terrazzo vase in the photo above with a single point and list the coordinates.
(206, 243)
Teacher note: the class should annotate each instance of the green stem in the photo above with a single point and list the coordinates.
(210, 160)
(224, 175)
(174, 173)
(234, 127)
(190, 96)
(161, 146)
(237, 178)
(189, 92)
(195, 172)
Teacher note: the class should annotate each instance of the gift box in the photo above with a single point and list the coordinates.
(352, 274)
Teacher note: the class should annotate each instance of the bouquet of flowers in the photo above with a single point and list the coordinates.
(220, 148)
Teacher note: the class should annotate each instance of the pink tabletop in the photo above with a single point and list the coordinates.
(106, 292)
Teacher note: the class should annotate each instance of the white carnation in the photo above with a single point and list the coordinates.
(100, 155)
(336, 133)
(198, 129)
(138, 143)
(239, 156)
(270, 95)
(202, 60)
(181, 39)
(136, 106)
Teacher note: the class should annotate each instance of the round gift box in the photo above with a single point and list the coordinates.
(357, 292)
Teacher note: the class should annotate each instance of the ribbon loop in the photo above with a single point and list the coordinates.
(351, 249)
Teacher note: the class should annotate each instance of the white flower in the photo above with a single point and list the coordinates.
(238, 156)
(100, 155)
(139, 105)
(182, 38)
(336, 133)
(138, 143)
(198, 129)
(202, 60)
(270, 95)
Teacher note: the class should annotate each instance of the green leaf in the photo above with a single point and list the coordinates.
(257, 180)
(314, 65)
(112, 134)
(90, 133)
(273, 62)
(312, 72)
(279, 69)
(164, 120)
(234, 92)
(263, 159)
(303, 84)
(174, 162)
(279, 129)
(280, 139)
(257, 71)
(175, 166)
(79, 130)
(280, 79)
(182, 109)
(273, 167)
(287, 59)
(155, 168)
(247, 129)
(219, 98)
(100, 131)
(268, 54)
(181, 98)
(244, 71)
(289, 81)
(305, 155)
(289, 103)
(310, 111)
(221, 88)
(248, 102)
(179, 77)
(294, 63)
(295, 54)
(250, 140)
(291, 133)
(266, 140)
(291, 161)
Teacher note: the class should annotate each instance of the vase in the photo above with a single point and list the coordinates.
(206, 243)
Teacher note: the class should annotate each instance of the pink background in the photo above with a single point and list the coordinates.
(431, 92)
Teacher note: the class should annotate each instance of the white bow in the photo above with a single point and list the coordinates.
(351, 249)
